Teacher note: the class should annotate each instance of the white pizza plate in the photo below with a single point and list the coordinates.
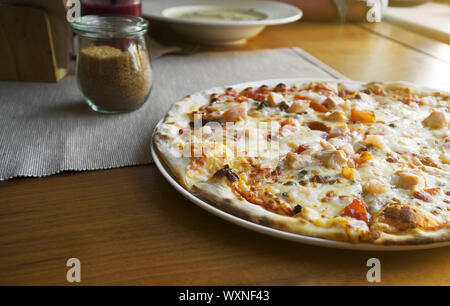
(268, 230)
(219, 32)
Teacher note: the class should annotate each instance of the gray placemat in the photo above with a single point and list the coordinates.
(47, 128)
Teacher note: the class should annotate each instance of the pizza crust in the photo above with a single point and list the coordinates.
(404, 224)
(219, 194)
(414, 237)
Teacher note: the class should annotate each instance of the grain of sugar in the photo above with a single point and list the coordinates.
(114, 79)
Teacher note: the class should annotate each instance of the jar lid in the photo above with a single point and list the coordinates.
(110, 26)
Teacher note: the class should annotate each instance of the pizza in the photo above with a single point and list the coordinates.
(348, 161)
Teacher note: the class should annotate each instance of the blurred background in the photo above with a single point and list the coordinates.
(429, 18)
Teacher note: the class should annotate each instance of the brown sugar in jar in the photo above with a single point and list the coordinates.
(114, 70)
(112, 79)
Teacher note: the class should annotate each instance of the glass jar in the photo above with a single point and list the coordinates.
(112, 7)
(114, 70)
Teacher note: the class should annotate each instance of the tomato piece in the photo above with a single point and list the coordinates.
(299, 97)
(356, 209)
(301, 149)
(433, 191)
(288, 121)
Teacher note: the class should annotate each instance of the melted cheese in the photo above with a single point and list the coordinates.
(257, 152)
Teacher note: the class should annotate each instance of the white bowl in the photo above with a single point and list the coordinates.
(219, 32)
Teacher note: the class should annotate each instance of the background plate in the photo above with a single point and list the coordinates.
(277, 12)
(268, 230)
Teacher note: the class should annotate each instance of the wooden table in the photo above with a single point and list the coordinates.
(128, 226)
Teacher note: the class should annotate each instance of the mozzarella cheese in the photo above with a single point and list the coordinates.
(384, 141)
